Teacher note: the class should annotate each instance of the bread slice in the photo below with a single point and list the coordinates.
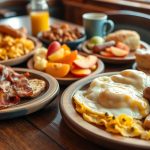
(37, 86)
(128, 37)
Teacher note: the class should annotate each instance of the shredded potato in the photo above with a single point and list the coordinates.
(11, 47)
(122, 124)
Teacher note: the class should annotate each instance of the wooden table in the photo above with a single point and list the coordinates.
(45, 129)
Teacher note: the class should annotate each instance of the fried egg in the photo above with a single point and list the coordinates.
(116, 95)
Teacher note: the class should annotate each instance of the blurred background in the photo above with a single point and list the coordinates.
(72, 10)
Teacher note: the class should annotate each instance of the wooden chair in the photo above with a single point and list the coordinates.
(137, 21)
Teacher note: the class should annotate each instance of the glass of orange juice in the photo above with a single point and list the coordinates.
(39, 16)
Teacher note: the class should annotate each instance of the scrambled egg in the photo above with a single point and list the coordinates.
(116, 103)
(14, 47)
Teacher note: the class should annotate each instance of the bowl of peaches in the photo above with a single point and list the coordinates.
(117, 47)
(65, 65)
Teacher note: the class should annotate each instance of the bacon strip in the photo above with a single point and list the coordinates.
(13, 86)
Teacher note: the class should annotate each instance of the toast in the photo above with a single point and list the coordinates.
(37, 86)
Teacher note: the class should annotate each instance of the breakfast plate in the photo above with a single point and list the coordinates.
(69, 78)
(30, 105)
(21, 59)
(115, 60)
(89, 131)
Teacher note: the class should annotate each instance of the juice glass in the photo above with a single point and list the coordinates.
(39, 21)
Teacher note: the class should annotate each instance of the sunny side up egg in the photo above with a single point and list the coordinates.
(116, 95)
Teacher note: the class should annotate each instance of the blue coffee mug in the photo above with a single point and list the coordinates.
(97, 24)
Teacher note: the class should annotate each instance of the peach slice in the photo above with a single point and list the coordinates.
(80, 56)
(67, 50)
(68, 59)
(123, 46)
(118, 52)
(80, 72)
(54, 46)
(56, 56)
(87, 62)
(57, 69)
(106, 54)
(65, 47)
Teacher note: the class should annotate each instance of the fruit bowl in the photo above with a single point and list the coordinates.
(64, 64)
(70, 78)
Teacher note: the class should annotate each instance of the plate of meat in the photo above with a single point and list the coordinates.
(24, 91)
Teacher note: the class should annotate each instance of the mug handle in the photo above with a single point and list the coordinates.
(109, 26)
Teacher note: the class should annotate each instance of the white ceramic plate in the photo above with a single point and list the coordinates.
(70, 79)
(115, 60)
(89, 131)
(31, 105)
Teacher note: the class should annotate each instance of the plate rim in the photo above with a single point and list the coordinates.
(100, 69)
(69, 93)
(50, 93)
(113, 59)
(45, 41)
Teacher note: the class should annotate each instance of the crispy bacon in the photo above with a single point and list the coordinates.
(3, 97)
(6, 101)
(7, 88)
(13, 86)
(22, 87)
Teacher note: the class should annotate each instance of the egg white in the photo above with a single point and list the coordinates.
(135, 106)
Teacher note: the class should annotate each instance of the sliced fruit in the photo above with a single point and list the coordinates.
(108, 50)
(67, 52)
(123, 46)
(90, 45)
(74, 67)
(99, 48)
(106, 54)
(80, 72)
(57, 69)
(66, 48)
(56, 56)
(93, 67)
(95, 40)
(68, 59)
(87, 62)
(54, 46)
(80, 57)
(118, 52)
